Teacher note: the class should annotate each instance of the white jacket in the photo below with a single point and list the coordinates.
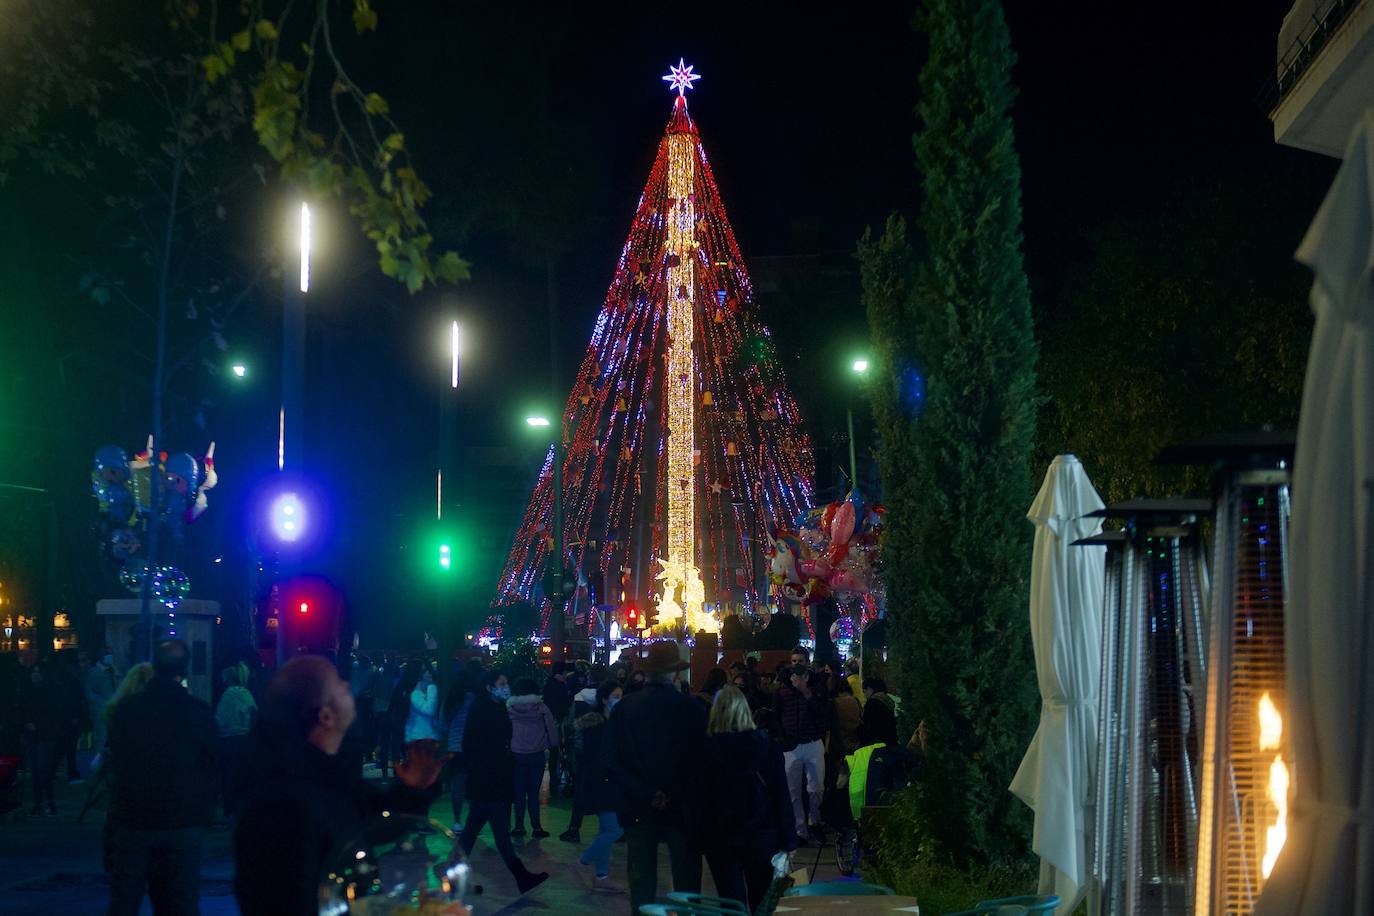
(424, 703)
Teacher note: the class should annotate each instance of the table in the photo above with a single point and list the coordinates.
(849, 906)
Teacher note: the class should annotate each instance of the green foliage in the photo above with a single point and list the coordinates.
(1178, 327)
(887, 273)
(905, 859)
(519, 658)
(356, 152)
(957, 460)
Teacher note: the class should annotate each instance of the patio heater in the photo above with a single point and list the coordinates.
(1146, 817)
(1245, 776)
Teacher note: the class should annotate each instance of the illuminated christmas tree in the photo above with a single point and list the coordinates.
(683, 446)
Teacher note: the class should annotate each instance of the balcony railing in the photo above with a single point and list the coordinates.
(1309, 36)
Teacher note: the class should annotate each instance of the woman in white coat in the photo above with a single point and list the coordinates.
(424, 708)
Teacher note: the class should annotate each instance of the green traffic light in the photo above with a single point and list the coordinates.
(445, 556)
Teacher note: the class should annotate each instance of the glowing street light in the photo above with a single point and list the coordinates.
(453, 341)
(537, 421)
(860, 366)
(305, 248)
(288, 517)
(239, 370)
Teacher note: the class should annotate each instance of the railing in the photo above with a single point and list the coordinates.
(1325, 20)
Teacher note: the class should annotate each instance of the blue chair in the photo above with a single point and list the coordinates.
(677, 908)
(1033, 904)
(727, 904)
(841, 889)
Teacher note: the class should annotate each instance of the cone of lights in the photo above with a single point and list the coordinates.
(684, 446)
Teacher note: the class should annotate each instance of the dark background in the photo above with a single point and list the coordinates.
(536, 127)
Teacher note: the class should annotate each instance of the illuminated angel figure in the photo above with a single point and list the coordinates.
(671, 577)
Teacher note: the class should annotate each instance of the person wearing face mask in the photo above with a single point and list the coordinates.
(100, 689)
(491, 776)
(424, 705)
(594, 790)
(306, 799)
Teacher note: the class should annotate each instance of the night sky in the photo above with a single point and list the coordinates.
(536, 129)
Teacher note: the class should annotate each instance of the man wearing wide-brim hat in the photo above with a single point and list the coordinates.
(656, 735)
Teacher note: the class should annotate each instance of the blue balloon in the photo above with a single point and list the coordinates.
(119, 504)
(111, 465)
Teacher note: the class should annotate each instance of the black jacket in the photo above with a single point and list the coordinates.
(486, 751)
(879, 722)
(304, 805)
(655, 742)
(164, 759)
(38, 705)
(743, 774)
(801, 720)
(558, 698)
(594, 790)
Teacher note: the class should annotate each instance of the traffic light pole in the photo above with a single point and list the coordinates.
(447, 482)
(556, 611)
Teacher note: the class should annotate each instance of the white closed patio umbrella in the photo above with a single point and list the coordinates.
(1057, 774)
(1327, 863)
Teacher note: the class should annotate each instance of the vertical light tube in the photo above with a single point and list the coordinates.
(305, 248)
(281, 439)
(453, 351)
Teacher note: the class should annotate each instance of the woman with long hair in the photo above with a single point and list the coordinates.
(534, 733)
(135, 680)
(595, 794)
(424, 707)
(750, 818)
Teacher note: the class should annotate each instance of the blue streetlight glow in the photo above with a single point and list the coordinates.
(537, 421)
(240, 370)
(288, 517)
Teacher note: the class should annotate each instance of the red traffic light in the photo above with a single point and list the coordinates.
(305, 607)
(631, 615)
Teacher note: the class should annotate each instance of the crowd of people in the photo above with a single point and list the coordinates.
(730, 772)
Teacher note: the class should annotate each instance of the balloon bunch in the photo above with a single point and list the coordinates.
(832, 552)
(169, 584)
(123, 490)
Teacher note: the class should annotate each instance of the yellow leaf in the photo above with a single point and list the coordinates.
(266, 30)
(394, 142)
(374, 104)
(364, 17)
(241, 40)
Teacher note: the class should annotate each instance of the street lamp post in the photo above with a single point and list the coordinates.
(556, 630)
(444, 502)
(290, 434)
(860, 369)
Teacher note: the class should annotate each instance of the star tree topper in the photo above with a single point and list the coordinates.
(680, 77)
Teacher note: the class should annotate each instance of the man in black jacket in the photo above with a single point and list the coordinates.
(558, 697)
(655, 741)
(491, 776)
(305, 799)
(164, 748)
(802, 709)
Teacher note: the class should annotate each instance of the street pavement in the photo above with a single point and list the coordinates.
(52, 865)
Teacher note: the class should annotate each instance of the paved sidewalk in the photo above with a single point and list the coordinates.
(52, 865)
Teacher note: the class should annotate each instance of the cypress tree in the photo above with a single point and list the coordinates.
(956, 410)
